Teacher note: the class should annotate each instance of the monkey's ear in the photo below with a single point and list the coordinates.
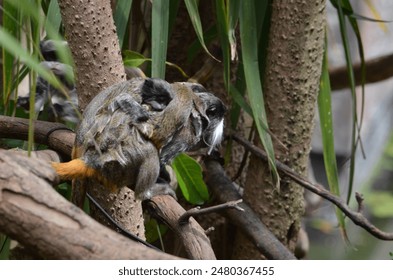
(157, 93)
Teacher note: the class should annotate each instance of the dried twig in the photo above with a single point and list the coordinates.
(355, 216)
(198, 211)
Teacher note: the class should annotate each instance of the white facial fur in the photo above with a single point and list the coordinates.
(217, 136)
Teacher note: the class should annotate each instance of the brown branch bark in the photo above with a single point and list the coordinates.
(91, 35)
(247, 221)
(55, 135)
(42, 220)
(191, 234)
(355, 216)
(195, 241)
(377, 69)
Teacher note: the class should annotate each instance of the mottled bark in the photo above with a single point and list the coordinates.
(91, 34)
(291, 86)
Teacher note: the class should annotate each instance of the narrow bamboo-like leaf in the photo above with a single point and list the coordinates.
(249, 47)
(260, 11)
(178, 68)
(29, 9)
(233, 17)
(33, 39)
(192, 8)
(5, 243)
(223, 32)
(347, 10)
(240, 87)
(173, 9)
(53, 17)
(377, 16)
(159, 44)
(190, 179)
(359, 124)
(10, 15)
(239, 99)
(329, 153)
(351, 77)
(195, 47)
(10, 44)
(121, 18)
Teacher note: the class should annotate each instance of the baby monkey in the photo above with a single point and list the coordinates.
(132, 129)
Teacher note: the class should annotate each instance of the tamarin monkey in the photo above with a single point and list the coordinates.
(133, 128)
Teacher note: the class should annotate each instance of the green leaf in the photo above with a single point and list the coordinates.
(239, 99)
(233, 17)
(192, 8)
(10, 44)
(5, 243)
(134, 59)
(347, 10)
(351, 77)
(249, 46)
(173, 9)
(121, 18)
(223, 33)
(194, 48)
(53, 17)
(189, 176)
(11, 23)
(159, 45)
(326, 123)
(154, 230)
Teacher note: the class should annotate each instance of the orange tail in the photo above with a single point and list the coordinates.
(74, 169)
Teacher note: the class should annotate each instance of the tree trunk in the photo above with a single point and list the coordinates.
(91, 35)
(293, 69)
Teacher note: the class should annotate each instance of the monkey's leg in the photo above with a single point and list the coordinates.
(146, 186)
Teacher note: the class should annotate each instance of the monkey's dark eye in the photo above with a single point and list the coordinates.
(211, 111)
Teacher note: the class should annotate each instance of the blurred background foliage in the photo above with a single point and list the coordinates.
(352, 147)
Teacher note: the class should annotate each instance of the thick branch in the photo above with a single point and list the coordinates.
(246, 220)
(355, 216)
(377, 69)
(55, 135)
(34, 214)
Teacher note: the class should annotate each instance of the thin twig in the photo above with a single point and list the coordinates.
(318, 189)
(197, 211)
(359, 199)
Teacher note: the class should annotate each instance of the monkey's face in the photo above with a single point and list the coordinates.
(212, 117)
